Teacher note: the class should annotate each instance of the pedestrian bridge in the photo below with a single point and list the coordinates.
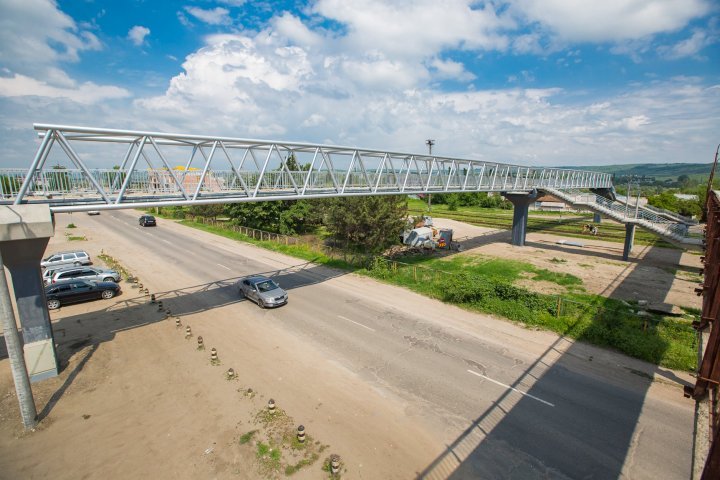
(152, 169)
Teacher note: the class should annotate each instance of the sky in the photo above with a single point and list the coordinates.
(528, 82)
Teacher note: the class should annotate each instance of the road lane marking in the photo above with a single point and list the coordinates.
(166, 241)
(511, 388)
(223, 266)
(356, 323)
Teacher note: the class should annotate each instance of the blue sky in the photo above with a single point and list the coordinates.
(533, 82)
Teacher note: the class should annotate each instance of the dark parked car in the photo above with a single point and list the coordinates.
(147, 221)
(263, 291)
(74, 291)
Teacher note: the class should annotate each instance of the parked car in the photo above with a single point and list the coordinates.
(85, 273)
(48, 273)
(77, 258)
(147, 221)
(263, 291)
(78, 291)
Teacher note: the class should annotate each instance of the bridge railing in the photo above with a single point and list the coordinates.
(628, 211)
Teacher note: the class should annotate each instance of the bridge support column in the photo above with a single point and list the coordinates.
(629, 240)
(521, 202)
(597, 218)
(24, 234)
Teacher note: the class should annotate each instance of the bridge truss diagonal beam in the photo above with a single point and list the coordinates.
(182, 177)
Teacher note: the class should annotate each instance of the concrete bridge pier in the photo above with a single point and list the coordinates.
(629, 240)
(521, 201)
(25, 231)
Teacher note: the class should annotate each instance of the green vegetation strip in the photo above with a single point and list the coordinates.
(487, 285)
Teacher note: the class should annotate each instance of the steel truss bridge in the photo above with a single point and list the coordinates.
(164, 169)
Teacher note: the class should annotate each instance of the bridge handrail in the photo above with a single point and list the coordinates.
(629, 212)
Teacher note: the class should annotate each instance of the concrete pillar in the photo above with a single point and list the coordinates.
(597, 218)
(24, 234)
(521, 201)
(629, 239)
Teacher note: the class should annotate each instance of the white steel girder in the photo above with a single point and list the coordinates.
(261, 174)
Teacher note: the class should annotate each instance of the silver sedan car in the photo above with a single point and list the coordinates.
(263, 291)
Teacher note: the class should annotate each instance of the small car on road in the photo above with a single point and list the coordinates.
(74, 291)
(147, 221)
(263, 291)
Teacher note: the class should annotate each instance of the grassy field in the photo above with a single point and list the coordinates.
(489, 285)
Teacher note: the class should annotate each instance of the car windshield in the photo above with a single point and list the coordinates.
(266, 286)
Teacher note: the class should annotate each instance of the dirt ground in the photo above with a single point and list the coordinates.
(136, 399)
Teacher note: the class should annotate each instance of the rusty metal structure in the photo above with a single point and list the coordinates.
(708, 376)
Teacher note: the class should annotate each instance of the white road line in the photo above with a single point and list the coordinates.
(511, 388)
(356, 323)
(166, 241)
(223, 266)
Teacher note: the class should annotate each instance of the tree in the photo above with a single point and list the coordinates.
(206, 211)
(367, 224)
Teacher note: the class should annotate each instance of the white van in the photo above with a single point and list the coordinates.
(77, 258)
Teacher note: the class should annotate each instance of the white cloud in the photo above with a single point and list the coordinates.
(292, 28)
(35, 33)
(416, 28)
(85, 93)
(233, 3)
(689, 47)
(610, 20)
(137, 34)
(214, 16)
(449, 69)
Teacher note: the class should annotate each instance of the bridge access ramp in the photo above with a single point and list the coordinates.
(671, 228)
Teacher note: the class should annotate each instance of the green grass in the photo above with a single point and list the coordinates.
(246, 437)
(485, 287)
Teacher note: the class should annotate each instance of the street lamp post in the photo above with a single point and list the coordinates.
(429, 142)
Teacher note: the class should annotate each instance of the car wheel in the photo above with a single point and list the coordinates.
(107, 294)
(241, 293)
(77, 264)
(260, 303)
(108, 279)
(53, 304)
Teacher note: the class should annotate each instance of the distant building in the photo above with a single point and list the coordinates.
(685, 196)
(550, 203)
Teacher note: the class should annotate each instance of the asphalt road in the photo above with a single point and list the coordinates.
(503, 410)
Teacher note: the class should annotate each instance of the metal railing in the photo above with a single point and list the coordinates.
(625, 212)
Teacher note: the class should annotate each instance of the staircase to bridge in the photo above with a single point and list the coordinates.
(673, 228)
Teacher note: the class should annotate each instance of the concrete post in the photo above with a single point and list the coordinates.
(629, 239)
(521, 201)
(24, 234)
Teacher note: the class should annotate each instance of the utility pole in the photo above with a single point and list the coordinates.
(16, 354)
(429, 142)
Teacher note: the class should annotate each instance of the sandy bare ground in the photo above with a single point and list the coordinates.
(136, 399)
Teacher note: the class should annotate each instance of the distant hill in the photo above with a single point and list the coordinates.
(661, 171)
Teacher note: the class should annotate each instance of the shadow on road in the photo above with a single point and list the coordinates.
(542, 426)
